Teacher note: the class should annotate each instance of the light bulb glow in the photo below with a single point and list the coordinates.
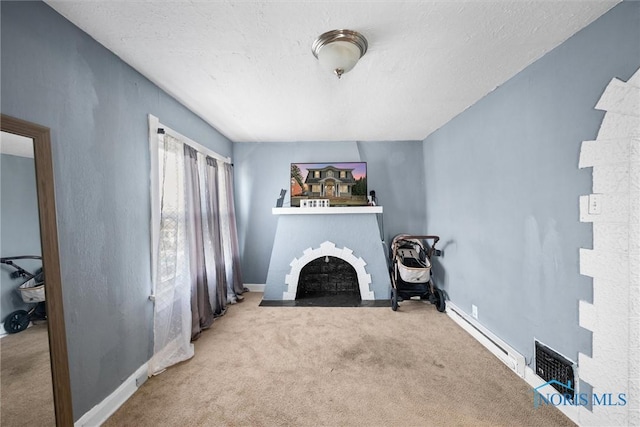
(338, 51)
(339, 56)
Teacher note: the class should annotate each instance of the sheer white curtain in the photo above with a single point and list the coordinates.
(172, 287)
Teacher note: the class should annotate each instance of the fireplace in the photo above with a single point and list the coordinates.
(328, 279)
(328, 250)
(306, 238)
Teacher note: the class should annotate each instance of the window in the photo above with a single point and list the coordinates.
(343, 174)
(189, 181)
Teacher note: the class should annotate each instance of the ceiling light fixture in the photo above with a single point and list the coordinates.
(339, 50)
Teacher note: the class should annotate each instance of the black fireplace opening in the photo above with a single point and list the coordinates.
(328, 281)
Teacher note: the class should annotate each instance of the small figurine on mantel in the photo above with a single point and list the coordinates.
(372, 200)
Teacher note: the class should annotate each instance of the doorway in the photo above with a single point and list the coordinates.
(330, 188)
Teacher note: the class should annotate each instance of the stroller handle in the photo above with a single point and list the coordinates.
(6, 260)
(427, 237)
(432, 249)
(21, 272)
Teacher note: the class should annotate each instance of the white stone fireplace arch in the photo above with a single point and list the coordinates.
(328, 249)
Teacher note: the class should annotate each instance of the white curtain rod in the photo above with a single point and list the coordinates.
(199, 147)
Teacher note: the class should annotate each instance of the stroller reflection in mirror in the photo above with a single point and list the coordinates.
(31, 292)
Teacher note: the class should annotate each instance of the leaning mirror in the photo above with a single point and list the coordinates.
(25, 373)
(31, 260)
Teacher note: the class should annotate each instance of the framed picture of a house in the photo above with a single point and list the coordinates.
(342, 183)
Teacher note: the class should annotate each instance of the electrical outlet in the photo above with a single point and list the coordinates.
(595, 204)
(474, 311)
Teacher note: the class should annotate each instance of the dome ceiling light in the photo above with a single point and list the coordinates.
(339, 50)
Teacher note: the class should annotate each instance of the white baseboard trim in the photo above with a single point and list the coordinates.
(103, 410)
(4, 333)
(255, 287)
(507, 355)
(503, 351)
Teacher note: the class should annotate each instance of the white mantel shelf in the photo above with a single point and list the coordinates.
(327, 211)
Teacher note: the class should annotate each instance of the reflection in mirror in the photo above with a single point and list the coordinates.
(25, 373)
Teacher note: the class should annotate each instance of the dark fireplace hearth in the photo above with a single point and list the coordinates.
(328, 281)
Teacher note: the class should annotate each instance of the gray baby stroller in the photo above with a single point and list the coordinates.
(411, 274)
(31, 291)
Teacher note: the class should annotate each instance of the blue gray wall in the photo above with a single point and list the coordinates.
(503, 186)
(394, 170)
(19, 225)
(96, 106)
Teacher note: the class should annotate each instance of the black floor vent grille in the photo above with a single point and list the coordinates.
(555, 369)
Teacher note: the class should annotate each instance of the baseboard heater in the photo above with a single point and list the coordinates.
(503, 351)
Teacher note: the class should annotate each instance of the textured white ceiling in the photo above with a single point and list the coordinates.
(246, 67)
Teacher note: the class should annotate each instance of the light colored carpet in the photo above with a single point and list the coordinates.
(26, 396)
(315, 366)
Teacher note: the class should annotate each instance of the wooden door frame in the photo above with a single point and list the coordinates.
(50, 262)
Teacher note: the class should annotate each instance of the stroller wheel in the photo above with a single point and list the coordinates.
(16, 322)
(394, 299)
(440, 303)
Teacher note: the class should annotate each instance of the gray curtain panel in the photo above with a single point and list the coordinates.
(201, 311)
(237, 284)
(219, 297)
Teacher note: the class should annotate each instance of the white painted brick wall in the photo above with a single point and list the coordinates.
(613, 179)
(634, 80)
(614, 261)
(605, 151)
(610, 265)
(616, 125)
(614, 208)
(621, 98)
(611, 237)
